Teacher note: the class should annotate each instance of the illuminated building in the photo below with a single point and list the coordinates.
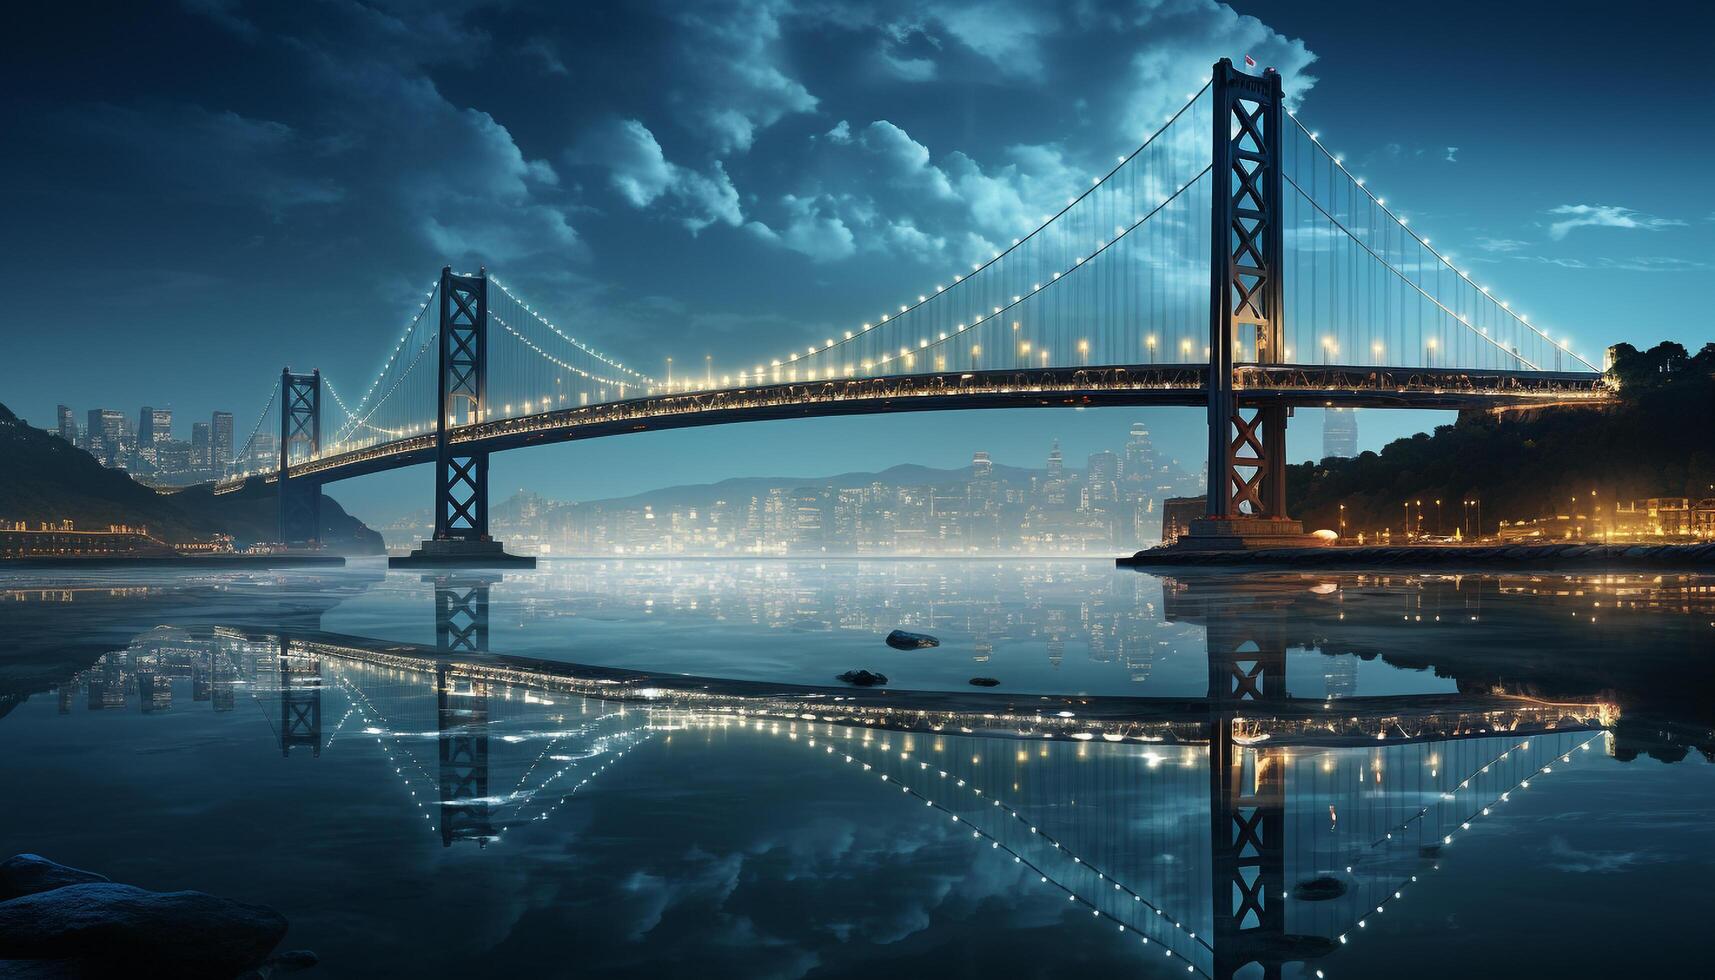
(105, 437)
(201, 445)
(1339, 432)
(221, 439)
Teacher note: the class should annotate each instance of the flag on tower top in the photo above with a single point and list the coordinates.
(1250, 62)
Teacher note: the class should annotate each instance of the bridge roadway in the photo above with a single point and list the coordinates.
(1135, 385)
(1359, 721)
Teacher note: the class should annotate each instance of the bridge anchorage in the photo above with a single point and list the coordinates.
(1232, 229)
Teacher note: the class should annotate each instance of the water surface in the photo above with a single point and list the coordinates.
(1447, 776)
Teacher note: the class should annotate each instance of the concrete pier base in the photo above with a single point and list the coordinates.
(1244, 534)
(459, 553)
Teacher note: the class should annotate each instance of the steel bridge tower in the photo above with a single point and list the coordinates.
(300, 422)
(1246, 504)
(461, 475)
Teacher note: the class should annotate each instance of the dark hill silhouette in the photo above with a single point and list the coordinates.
(1657, 440)
(44, 478)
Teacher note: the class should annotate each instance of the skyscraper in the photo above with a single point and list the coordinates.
(106, 437)
(1339, 432)
(1056, 463)
(68, 424)
(221, 439)
(1139, 455)
(1102, 476)
(201, 444)
(982, 468)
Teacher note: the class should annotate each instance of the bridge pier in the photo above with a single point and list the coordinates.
(461, 475)
(1246, 503)
(461, 612)
(300, 422)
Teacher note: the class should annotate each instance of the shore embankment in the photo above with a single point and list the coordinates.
(174, 561)
(1546, 557)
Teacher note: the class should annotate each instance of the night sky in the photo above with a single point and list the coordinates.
(198, 194)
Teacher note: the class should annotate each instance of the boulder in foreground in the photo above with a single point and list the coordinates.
(863, 678)
(177, 934)
(27, 874)
(903, 640)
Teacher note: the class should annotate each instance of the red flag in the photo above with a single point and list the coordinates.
(1250, 62)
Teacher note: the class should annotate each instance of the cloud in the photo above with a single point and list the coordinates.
(905, 162)
(1641, 263)
(809, 230)
(1500, 244)
(740, 87)
(378, 138)
(1604, 216)
(1008, 34)
(542, 51)
(1452, 154)
(640, 172)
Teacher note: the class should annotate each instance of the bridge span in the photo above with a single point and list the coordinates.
(1231, 262)
(1136, 385)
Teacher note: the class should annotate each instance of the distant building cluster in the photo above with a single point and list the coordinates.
(1112, 503)
(1653, 520)
(145, 447)
(58, 539)
(146, 673)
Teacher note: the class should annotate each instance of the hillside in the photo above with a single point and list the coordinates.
(43, 478)
(1655, 441)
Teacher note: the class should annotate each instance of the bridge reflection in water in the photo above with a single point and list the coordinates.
(1246, 832)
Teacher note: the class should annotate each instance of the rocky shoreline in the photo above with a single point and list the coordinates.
(1639, 557)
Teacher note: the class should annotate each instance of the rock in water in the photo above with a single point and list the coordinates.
(863, 678)
(27, 874)
(1319, 889)
(180, 934)
(985, 681)
(901, 640)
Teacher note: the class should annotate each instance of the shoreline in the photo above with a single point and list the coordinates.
(1633, 557)
(174, 561)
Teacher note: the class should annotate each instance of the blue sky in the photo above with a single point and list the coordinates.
(199, 194)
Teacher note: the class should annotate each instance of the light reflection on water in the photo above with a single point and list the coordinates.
(1427, 748)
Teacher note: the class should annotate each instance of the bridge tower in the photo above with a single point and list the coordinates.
(461, 475)
(300, 423)
(461, 612)
(463, 737)
(1246, 504)
(1249, 780)
(300, 701)
(1247, 800)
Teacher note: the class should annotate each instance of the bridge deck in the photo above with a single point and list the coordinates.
(1137, 385)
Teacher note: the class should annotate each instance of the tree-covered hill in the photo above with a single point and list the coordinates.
(1657, 440)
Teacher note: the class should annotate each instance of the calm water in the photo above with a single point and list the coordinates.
(1360, 775)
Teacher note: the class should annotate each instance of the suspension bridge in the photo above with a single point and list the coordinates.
(1231, 261)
